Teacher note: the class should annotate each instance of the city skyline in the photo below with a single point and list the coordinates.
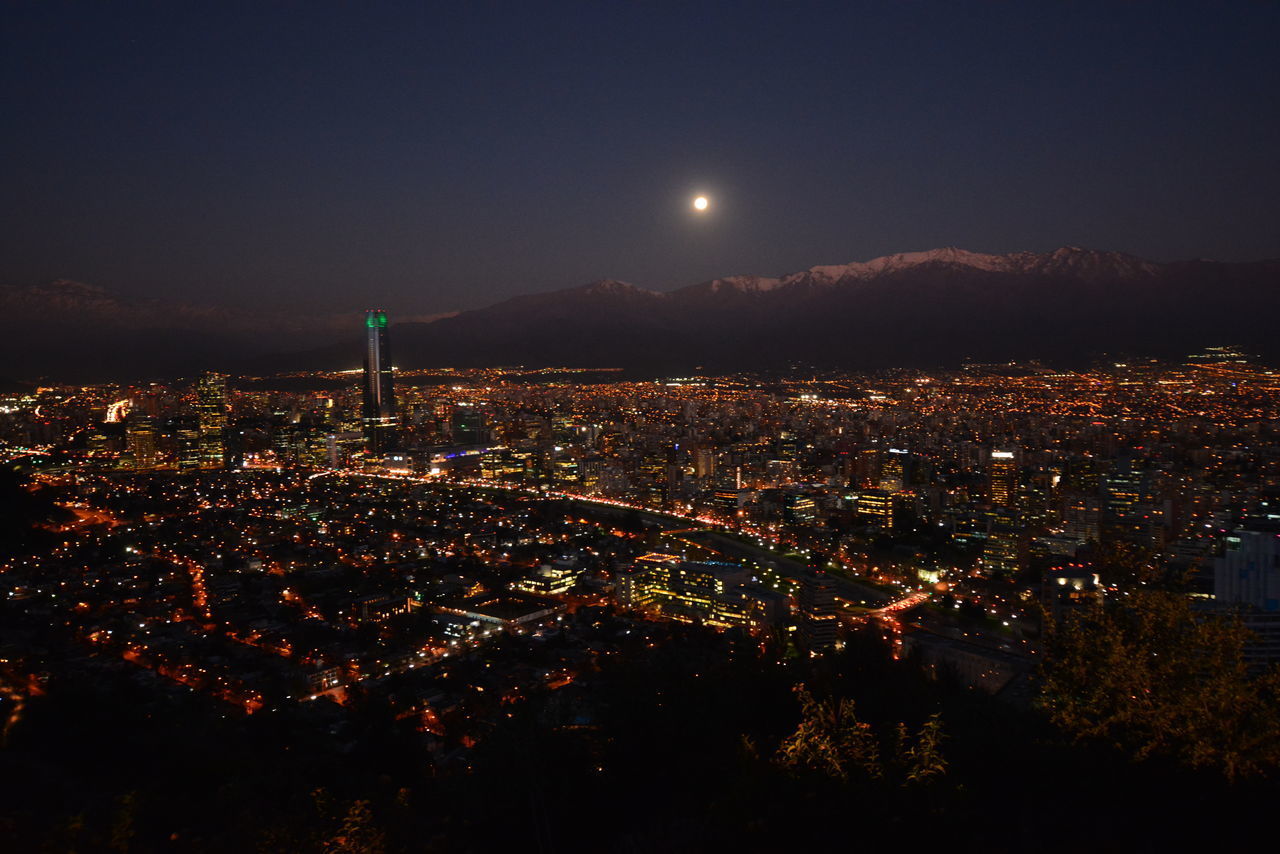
(605, 428)
(956, 574)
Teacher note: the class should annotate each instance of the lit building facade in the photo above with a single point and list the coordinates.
(876, 507)
(893, 475)
(719, 594)
(140, 436)
(1004, 478)
(1004, 549)
(211, 421)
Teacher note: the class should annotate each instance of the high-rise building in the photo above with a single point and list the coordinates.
(211, 420)
(1246, 584)
(1125, 489)
(704, 462)
(876, 507)
(1082, 517)
(378, 412)
(140, 437)
(1005, 546)
(1248, 573)
(1004, 478)
(893, 473)
(799, 509)
(467, 425)
(818, 620)
(728, 500)
(187, 429)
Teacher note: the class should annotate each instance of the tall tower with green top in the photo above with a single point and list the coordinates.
(379, 409)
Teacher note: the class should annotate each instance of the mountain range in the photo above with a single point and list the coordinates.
(917, 309)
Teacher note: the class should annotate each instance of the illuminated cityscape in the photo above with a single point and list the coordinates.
(537, 524)
(617, 428)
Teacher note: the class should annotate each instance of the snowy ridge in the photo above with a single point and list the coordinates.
(904, 260)
(1084, 263)
(1070, 261)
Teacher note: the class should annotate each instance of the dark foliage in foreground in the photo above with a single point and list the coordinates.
(1150, 675)
(680, 748)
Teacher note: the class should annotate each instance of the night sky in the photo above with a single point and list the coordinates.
(432, 157)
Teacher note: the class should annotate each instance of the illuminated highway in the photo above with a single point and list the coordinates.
(848, 588)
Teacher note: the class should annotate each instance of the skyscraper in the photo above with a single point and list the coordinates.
(379, 409)
(140, 434)
(468, 425)
(188, 430)
(211, 418)
(704, 462)
(893, 474)
(1004, 549)
(1004, 478)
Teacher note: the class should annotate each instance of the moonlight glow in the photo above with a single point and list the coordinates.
(701, 203)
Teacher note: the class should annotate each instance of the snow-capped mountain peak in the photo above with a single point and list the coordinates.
(1068, 260)
(904, 260)
(1084, 263)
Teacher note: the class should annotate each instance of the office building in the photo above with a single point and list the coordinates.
(1003, 479)
(1248, 573)
(704, 462)
(187, 431)
(1005, 547)
(817, 618)
(140, 439)
(1246, 585)
(467, 425)
(719, 594)
(876, 507)
(893, 474)
(211, 421)
(799, 509)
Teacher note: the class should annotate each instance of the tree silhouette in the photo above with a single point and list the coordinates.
(358, 834)
(924, 760)
(1148, 674)
(831, 740)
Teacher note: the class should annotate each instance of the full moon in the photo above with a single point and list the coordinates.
(700, 203)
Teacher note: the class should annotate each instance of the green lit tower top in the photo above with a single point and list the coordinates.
(379, 405)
